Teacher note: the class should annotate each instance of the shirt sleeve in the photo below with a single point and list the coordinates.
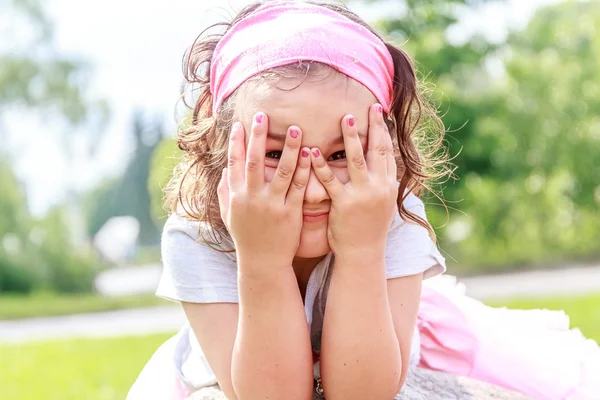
(409, 249)
(192, 270)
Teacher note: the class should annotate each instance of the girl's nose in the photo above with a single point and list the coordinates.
(315, 191)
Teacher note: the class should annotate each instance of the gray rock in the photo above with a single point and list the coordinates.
(421, 384)
(424, 384)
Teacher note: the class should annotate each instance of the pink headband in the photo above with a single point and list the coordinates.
(284, 32)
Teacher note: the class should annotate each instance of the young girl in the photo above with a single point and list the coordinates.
(297, 243)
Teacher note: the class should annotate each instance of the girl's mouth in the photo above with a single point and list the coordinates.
(315, 217)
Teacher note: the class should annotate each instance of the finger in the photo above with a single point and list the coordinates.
(287, 164)
(295, 195)
(377, 147)
(223, 195)
(236, 156)
(333, 186)
(357, 166)
(392, 168)
(255, 157)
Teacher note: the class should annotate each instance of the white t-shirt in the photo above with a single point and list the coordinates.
(196, 273)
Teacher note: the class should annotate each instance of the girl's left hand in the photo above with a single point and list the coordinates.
(363, 209)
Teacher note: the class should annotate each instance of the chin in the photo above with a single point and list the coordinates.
(313, 244)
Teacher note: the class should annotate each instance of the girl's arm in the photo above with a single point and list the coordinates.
(360, 308)
(404, 295)
(261, 347)
(360, 351)
(271, 356)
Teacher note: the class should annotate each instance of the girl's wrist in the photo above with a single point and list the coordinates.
(256, 264)
(361, 256)
(266, 284)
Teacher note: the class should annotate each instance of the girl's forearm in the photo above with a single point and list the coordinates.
(272, 355)
(360, 355)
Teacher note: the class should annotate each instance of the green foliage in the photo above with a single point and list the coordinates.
(65, 270)
(45, 259)
(422, 32)
(525, 141)
(164, 159)
(91, 369)
(33, 75)
(129, 194)
(38, 254)
(100, 204)
(15, 222)
(16, 276)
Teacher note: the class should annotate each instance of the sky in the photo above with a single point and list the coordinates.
(135, 49)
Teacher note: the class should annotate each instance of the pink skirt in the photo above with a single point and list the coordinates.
(532, 352)
(528, 351)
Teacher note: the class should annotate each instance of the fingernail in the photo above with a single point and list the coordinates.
(316, 152)
(304, 153)
(258, 118)
(351, 121)
(294, 133)
(379, 108)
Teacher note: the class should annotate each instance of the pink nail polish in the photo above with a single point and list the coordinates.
(351, 121)
(294, 133)
(258, 118)
(316, 152)
(304, 153)
(379, 108)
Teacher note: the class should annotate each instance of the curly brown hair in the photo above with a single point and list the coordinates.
(416, 129)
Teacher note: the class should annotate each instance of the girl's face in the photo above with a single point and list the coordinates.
(316, 105)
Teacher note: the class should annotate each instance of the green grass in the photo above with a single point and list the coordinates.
(104, 369)
(90, 369)
(584, 311)
(46, 304)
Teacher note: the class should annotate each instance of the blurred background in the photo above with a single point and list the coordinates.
(88, 110)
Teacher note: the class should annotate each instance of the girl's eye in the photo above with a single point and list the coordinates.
(340, 155)
(274, 155)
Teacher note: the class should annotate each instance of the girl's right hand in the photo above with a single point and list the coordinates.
(263, 218)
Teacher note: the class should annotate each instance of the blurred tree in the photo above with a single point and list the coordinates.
(14, 215)
(528, 138)
(164, 159)
(540, 201)
(37, 254)
(15, 223)
(32, 74)
(62, 269)
(128, 194)
(135, 181)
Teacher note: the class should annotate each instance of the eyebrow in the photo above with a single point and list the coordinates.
(280, 137)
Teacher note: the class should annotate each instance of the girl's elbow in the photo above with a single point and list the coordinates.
(402, 379)
(400, 385)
